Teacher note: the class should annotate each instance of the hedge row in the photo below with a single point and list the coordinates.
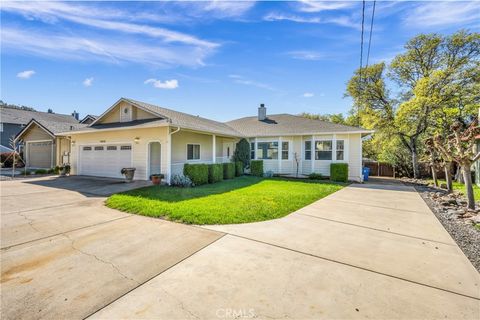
(228, 170)
(201, 173)
(339, 172)
(256, 168)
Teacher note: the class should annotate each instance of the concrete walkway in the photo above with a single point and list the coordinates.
(367, 251)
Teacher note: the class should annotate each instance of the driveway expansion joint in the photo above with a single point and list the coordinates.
(379, 230)
(376, 206)
(355, 266)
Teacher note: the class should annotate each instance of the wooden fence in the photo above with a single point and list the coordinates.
(382, 169)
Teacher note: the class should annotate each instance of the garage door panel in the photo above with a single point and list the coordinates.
(40, 154)
(105, 160)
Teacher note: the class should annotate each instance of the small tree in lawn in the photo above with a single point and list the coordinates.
(432, 159)
(460, 147)
(242, 152)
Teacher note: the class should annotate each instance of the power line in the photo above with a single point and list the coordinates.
(361, 43)
(371, 28)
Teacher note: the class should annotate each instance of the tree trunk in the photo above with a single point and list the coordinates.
(434, 177)
(415, 163)
(459, 175)
(467, 176)
(448, 177)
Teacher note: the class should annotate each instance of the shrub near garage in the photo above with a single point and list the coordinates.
(198, 173)
(256, 168)
(215, 172)
(339, 172)
(228, 170)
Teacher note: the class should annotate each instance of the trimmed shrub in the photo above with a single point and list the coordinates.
(256, 168)
(238, 168)
(215, 172)
(50, 171)
(41, 171)
(228, 170)
(315, 176)
(242, 152)
(181, 181)
(198, 173)
(57, 170)
(339, 172)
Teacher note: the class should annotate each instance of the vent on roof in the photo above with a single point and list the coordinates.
(262, 112)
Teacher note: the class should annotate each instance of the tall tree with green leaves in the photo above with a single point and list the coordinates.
(419, 76)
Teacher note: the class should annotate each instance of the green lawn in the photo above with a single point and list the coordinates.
(243, 199)
(461, 188)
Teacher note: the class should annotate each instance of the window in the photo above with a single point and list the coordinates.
(87, 148)
(228, 152)
(1, 127)
(98, 148)
(126, 148)
(112, 148)
(323, 150)
(308, 150)
(252, 150)
(193, 152)
(285, 150)
(340, 150)
(267, 150)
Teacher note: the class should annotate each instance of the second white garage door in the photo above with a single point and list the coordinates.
(105, 160)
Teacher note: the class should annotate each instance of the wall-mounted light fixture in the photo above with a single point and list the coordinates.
(136, 139)
(102, 141)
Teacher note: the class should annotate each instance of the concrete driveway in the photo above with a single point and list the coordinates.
(367, 251)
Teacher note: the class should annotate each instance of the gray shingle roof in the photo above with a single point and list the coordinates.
(137, 124)
(57, 127)
(18, 116)
(286, 124)
(188, 121)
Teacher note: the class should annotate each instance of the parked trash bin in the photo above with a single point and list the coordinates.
(366, 173)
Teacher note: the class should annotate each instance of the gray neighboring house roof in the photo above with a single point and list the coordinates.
(287, 124)
(52, 127)
(188, 121)
(19, 116)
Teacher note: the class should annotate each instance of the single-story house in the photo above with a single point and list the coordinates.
(154, 139)
(43, 146)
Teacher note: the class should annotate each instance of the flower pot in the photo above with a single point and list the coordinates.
(156, 180)
(128, 173)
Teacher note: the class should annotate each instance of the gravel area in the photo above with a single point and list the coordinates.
(462, 231)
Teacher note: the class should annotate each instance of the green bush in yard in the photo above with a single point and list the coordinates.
(256, 168)
(315, 176)
(215, 172)
(198, 173)
(238, 168)
(339, 172)
(41, 171)
(228, 170)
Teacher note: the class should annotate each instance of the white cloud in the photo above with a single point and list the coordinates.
(241, 80)
(167, 84)
(224, 9)
(317, 6)
(437, 14)
(25, 74)
(308, 95)
(306, 55)
(88, 82)
(111, 49)
(343, 21)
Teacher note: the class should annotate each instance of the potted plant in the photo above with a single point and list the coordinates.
(157, 178)
(65, 170)
(128, 173)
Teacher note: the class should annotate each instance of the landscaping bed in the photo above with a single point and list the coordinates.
(240, 200)
(462, 224)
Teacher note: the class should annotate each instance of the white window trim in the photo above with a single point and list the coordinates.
(345, 150)
(304, 149)
(315, 150)
(199, 152)
(289, 150)
(268, 141)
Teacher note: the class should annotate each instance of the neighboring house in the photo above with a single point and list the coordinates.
(153, 139)
(43, 146)
(88, 119)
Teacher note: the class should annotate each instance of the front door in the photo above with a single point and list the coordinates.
(155, 152)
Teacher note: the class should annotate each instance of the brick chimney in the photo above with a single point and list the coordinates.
(262, 112)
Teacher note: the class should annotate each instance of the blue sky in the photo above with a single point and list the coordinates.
(215, 59)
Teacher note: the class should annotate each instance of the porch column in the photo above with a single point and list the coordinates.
(313, 154)
(280, 154)
(334, 148)
(214, 148)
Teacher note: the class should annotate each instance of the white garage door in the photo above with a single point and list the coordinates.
(105, 160)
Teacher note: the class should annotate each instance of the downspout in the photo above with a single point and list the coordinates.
(169, 155)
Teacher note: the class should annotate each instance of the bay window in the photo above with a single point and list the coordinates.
(267, 150)
(308, 150)
(323, 150)
(340, 150)
(285, 146)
